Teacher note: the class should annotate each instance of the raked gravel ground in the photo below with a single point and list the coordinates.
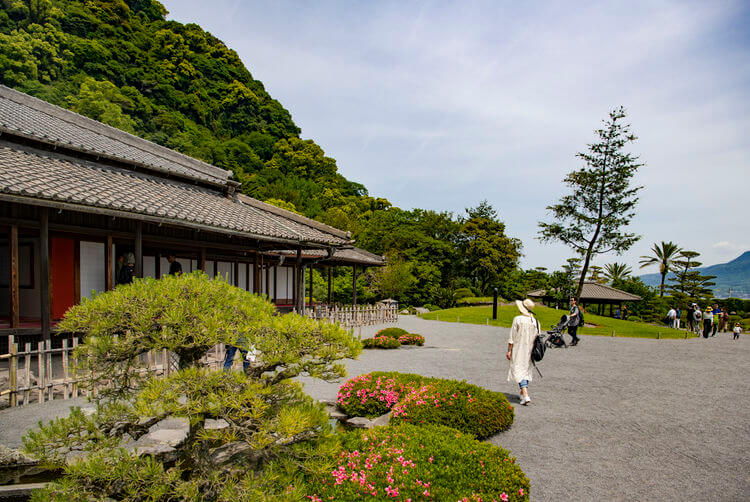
(612, 419)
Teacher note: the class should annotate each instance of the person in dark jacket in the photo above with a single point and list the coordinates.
(573, 321)
(175, 267)
(127, 272)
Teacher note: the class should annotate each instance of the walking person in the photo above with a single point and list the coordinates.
(677, 318)
(724, 320)
(708, 320)
(573, 320)
(690, 317)
(737, 330)
(671, 316)
(717, 317)
(698, 316)
(175, 267)
(523, 331)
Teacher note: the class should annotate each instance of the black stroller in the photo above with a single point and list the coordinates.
(555, 338)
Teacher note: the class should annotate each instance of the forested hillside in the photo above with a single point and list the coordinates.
(121, 62)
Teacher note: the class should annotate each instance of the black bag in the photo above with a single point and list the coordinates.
(537, 350)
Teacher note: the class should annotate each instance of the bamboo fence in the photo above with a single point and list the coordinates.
(355, 316)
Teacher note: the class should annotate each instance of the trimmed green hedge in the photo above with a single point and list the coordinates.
(392, 332)
(406, 462)
(381, 342)
(421, 400)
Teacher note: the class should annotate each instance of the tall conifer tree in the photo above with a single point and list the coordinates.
(602, 201)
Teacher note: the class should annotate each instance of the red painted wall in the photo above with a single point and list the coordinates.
(63, 275)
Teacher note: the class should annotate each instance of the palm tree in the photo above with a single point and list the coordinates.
(664, 256)
(616, 272)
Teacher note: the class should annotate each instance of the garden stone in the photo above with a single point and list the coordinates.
(163, 439)
(337, 415)
(360, 423)
(382, 420)
(10, 457)
(214, 424)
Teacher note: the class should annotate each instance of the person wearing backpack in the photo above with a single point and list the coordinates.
(574, 320)
(523, 331)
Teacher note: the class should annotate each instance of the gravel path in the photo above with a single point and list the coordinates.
(612, 419)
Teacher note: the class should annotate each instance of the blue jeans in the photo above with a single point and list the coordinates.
(229, 358)
(523, 384)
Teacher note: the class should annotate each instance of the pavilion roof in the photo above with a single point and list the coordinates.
(593, 291)
(341, 256)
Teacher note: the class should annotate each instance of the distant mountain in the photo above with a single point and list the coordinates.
(732, 279)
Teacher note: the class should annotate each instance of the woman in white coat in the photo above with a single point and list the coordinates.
(520, 342)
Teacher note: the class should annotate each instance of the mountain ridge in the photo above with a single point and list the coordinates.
(732, 278)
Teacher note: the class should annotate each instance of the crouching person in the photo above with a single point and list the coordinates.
(520, 342)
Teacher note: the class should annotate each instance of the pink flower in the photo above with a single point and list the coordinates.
(503, 497)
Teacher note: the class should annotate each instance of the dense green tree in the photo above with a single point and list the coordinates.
(488, 253)
(602, 201)
(689, 284)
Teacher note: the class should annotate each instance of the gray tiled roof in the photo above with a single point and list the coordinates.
(342, 256)
(29, 173)
(23, 115)
(593, 291)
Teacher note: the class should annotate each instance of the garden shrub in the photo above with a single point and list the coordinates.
(406, 462)
(381, 342)
(421, 400)
(634, 318)
(411, 339)
(431, 307)
(392, 332)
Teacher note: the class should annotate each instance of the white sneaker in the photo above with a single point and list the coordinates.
(525, 400)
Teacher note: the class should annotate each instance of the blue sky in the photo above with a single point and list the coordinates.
(439, 105)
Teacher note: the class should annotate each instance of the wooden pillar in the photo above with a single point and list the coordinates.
(44, 273)
(298, 282)
(13, 276)
(157, 265)
(109, 282)
(311, 284)
(276, 284)
(139, 249)
(330, 285)
(236, 274)
(202, 260)
(268, 280)
(256, 275)
(354, 285)
(247, 277)
(294, 286)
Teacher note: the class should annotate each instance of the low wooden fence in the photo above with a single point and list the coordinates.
(40, 373)
(355, 316)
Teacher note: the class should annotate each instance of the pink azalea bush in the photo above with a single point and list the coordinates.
(410, 463)
(421, 400)
(411, 339)
(381, 342)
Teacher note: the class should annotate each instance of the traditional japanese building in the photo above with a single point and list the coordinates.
(77, 197)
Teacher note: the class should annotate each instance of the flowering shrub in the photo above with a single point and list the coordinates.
(373, 394)
(411, 339)
(381, 342)
(406, 462)
(392, 332)
(420, 400)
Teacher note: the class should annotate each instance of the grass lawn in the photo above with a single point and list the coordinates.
(604, 326)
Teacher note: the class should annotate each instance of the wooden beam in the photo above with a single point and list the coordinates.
(108, 268)
(139, 249)
(44, 272)
(13, 283)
